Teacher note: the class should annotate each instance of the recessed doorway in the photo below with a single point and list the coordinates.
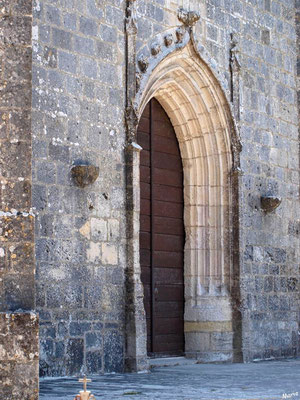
(161, 232)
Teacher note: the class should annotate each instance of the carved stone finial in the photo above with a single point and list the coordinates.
(180, 31)
(143, 63)
(155, 48)
(188, 18)
(270, 203)
(168, 39)
(131, 27)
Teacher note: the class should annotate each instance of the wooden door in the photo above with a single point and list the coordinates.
(161, 231)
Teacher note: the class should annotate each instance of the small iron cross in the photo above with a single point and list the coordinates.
(84, 394)
(84, 381)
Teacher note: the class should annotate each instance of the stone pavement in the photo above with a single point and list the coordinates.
(266, 380)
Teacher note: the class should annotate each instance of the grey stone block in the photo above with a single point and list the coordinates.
(79, 328)
(84, 45)
(67, 62)
(94, 362)
(105, 51)
(94, 10)
(62, 39)
(108, 33)
(75, 351)
(70, 21)
(59, 153)
(113, 351)
(88, 26)
(44, 33)
(93, 339)
(52, 15)
(46, 172)
(88, 67)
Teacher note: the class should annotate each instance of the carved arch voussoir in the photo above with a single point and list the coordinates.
(168, 45)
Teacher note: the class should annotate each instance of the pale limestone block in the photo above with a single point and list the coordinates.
(113, 229)
(85, 230)
(109, 254)
(197, 341)
(94, 252)
(98, 229)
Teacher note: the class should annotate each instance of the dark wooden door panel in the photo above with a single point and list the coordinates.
(163, 128)
(144, 125)
(168, 259)
(145, 242)
(145, 223)
(145, 190)
(146, 275)
(144, 140)
(145, 159)
(169, 292)
(171, 243)
(145, 174)
(172, 195)
(172, 309)
(165, 326)
(145, 207)
(165, 145)
(167, 209)
(145, 257)
(172, 226)
(169, 162)
(170, 275)
(161, 231)
(167, 177)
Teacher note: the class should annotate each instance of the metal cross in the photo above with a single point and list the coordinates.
(84, 381)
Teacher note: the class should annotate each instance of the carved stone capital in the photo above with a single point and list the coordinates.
(188, 18)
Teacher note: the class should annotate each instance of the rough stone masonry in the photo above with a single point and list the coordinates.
(62, 103)
(18, 324)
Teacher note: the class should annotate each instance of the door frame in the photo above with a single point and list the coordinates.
(201, 116)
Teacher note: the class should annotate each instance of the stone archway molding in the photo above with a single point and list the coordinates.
(176, 74)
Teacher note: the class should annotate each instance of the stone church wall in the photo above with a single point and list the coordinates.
(78, 117)
(78, 106)
(268, 121)
(19, 340)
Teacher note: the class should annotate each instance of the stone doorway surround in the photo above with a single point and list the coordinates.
(200, 113)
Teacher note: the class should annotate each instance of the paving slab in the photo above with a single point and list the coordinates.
(268, 380)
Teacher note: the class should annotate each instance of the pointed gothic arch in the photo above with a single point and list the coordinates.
(201, 116)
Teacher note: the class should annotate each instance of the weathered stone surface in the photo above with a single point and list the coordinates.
(80, 232)
(19, 352)
(84, 246)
